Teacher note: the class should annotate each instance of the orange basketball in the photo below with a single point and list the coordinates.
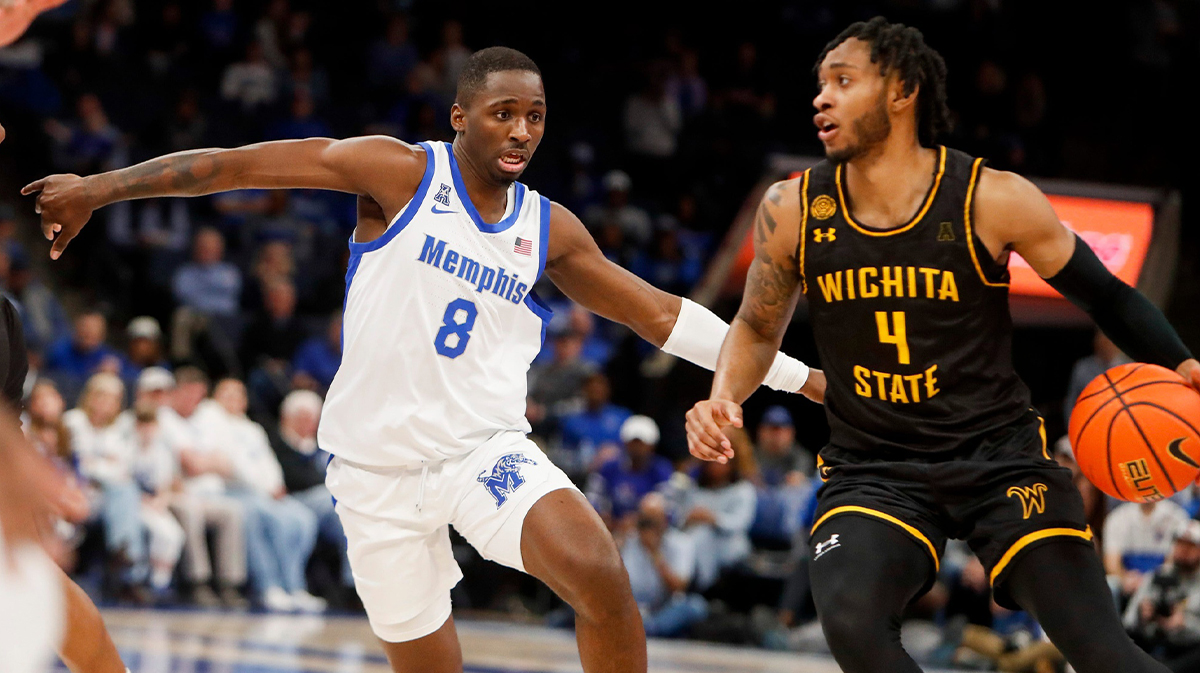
(1135, 430)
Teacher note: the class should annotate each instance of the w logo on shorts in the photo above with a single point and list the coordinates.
(505, 477)
(1033, 498)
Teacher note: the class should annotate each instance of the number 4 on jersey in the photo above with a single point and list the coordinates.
(452, 338)
(895, 334)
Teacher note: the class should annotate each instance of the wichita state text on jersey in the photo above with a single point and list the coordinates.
(912, 323)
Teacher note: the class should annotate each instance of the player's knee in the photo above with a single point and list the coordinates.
(599, 585)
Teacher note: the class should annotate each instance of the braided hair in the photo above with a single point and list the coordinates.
(901, 49)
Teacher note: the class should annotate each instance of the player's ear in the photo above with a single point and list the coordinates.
(458, 118)
(898, 97)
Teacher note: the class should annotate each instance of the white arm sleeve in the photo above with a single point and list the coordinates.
(697, 338)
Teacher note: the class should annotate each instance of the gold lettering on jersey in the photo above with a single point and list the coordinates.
(1137, 474)
(1033, 498)
(896, 388)
(904, 282)
(823, 207)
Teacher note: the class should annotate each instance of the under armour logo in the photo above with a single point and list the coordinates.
(829, 234)
(505, 477)
(946, 233)
(1033, 498)
(443, 195)
(826, 546)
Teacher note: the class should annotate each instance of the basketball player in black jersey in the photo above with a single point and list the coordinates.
(900, 247)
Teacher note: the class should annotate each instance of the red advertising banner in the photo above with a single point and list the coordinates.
(1118, 231)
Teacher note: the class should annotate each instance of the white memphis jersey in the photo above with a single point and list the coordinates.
(440, 326)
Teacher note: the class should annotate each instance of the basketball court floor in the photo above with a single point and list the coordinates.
(215, 642)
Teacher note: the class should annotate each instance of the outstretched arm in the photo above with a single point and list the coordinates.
(384, 168)
(772, 287)
(679, 326)
(1013, 214)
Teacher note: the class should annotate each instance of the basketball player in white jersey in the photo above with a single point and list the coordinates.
(425, 417)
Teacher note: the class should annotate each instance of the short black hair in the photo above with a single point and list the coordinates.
(900, 48)
(485, 62)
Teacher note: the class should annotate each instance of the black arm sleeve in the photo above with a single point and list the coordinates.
(1135, 325)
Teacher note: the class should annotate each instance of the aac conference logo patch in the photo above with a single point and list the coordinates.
(823, 207)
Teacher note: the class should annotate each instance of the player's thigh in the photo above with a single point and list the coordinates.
(1026, 507)
(864, 571)
(498, 485)
(399, 554)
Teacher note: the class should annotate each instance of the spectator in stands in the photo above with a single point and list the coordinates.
(280, 530)
(592, 436)
(633, 222)
(781, 475)
(1105, 355)
(652, 123)
(144, 349)
(555, 387)
(203, 503)
(302, 121)
(219, 26)
(42, 314)
(717, 510)
(9, 242)
(392, 59)
(207, 290)
(270, 341)
(618, 485)
(106, 451)
(1164, 615)
(156, 470)
(666, 265)
(43, 421)
(304, 463)
(1137, 539)
(782, 461)
(318, 358)
(90, 143)
(305, 79)
(250, 83)
(686, 85)
(661, 561)
(71, 360)
(188, 127)
(208, 285)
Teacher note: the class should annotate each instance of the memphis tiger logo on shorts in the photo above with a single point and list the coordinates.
(1033, 498)
(505, 477)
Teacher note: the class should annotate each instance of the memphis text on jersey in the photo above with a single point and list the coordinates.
(900, 282)
(485, 279)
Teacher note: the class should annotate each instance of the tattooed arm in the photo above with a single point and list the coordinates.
(772, 287)
(383, 168)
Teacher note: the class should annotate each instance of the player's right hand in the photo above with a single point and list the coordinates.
(705, 423)
(65, 205)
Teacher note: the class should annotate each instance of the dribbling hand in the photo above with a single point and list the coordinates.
(705, 423)
(65, 205)
(1190, 370)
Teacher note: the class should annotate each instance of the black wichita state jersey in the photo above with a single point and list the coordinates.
(912, 323)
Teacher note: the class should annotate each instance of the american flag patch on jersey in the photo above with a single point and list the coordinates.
(524, 246)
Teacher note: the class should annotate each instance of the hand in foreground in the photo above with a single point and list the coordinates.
(1190, 370)
(705, 421)
(65, 206)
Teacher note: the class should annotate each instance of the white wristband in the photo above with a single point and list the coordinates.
(697, 338)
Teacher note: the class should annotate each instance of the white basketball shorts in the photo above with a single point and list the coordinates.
(31, 610)
(397, 526)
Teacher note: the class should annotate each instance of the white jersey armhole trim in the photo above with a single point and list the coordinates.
(402, 218)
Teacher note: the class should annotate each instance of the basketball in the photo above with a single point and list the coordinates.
(1135, 430)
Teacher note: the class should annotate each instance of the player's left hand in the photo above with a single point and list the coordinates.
(65, 204)
(705, 421)
(1190, 370)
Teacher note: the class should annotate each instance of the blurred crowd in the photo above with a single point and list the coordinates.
(180, 349)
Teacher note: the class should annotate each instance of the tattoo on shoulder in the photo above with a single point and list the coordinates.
(772, 279)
